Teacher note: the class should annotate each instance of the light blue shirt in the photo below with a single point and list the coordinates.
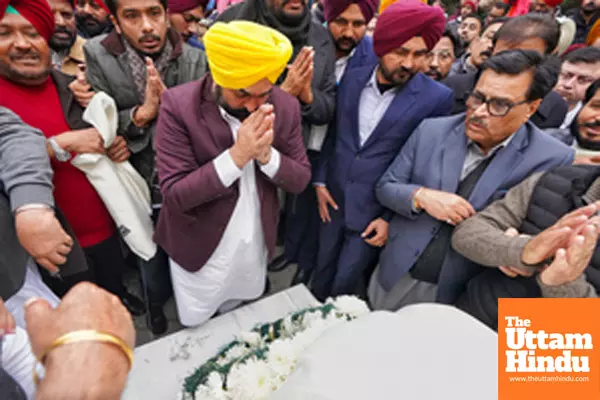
(373, 105)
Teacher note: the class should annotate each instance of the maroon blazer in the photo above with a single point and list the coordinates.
(190, 134)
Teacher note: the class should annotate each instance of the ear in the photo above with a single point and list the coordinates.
(115, 23)
(533, 106)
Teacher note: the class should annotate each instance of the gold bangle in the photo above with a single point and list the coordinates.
(85, 336)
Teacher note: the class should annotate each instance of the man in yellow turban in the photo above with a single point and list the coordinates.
(224, 145)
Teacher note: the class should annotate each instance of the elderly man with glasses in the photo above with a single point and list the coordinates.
(450, 168)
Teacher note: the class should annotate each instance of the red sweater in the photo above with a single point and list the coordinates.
(40, 107)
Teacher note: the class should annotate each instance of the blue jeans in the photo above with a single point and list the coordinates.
(156, 276)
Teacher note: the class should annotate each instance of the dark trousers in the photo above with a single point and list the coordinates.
(156, 276)
(344, 261)
(107, 262)
(302, 225)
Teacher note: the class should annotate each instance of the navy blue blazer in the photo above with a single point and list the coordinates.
(351, 171)
(433, 158)
(363, 56)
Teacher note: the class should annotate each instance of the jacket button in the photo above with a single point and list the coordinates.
(417, 253)
(358, 157)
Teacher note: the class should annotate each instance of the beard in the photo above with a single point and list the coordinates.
(589, 9)
(345, 45)
(14, 75)
(58, 44)
(90, 25)
(584, 142)
(239, 113)
(397, 77)
(289, 19)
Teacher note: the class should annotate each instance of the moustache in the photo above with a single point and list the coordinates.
(149, 37)
(60, 29)
(486, 53)
(592, 124)
(286, 2)
(87, 18)
(435, 74)
(478, 121)
(21, 55)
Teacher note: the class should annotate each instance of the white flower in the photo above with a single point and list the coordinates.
(351, 305)
(250, 381)
(233, 353)
(282, 359)
(289, 326)
(252, 338)
(206, 393)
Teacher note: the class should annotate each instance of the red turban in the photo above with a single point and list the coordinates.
(404, 20)
(37, 12)
(179, 6)
(333, 8)
(471, 4)
(553, 3)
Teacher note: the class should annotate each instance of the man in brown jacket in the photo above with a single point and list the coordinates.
(540, 239)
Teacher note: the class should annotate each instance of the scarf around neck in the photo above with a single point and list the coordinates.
(137, 63)
(259, 11)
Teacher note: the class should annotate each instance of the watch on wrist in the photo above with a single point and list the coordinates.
(60, 154)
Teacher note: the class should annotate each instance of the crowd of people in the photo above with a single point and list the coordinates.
(393, 151)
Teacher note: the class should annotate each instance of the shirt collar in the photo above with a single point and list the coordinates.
(474, 146)
(344, 60)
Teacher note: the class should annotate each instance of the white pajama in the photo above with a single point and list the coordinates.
(237, 269)
(17, 358)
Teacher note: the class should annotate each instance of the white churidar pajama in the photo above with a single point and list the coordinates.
(237, 268)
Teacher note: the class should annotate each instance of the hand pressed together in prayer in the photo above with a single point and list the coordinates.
(82, 141)
(7, 321)
(444, 206)
(118, 151)
(570, 262)
(545, 244)
(43, 237)
(254, 137)
(325, 200)
(101, 368)
(299, 76)
(379, 227)
(155, 87)
(81, 89)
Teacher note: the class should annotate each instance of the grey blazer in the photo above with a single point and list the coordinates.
(108, 71)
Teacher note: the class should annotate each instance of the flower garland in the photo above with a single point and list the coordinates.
(258, 362)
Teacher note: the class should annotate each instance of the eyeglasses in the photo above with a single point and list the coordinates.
(495, 107)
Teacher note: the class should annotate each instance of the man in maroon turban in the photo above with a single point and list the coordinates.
(408, 20)
(378, 107)
(185, 17)
(347, 22)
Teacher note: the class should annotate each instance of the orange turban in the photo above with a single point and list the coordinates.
(594, 34)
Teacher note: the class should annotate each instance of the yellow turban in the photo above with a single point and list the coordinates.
(241, 53)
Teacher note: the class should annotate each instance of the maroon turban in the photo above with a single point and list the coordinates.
(37, 12)
(179, 6)
(405, 20)
(333, 8)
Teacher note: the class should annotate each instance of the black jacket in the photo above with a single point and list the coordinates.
(550, 114)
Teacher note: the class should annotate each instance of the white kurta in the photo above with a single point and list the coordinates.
(237, 268)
